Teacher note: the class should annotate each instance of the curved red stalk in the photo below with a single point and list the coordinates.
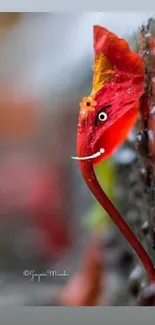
(92, 182)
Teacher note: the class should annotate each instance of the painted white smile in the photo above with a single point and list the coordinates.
(95, 155)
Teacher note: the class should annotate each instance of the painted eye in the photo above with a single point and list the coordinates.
(102, 116)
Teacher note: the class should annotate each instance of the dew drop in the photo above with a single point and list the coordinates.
(144, 228)
(151, 137)
(153, 110)
(137, 273)
(139, 137)
(153, 79)
(145, 52)
(148, 34)
(131, 136)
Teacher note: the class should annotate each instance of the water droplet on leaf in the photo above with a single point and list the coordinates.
(152, 110)
(148, 34)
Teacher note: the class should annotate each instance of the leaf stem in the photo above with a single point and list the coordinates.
(92, 182)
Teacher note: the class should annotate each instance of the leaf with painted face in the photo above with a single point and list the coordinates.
(110, 111)
(106, 120)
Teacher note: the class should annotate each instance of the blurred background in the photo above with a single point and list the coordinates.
(47, 213)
